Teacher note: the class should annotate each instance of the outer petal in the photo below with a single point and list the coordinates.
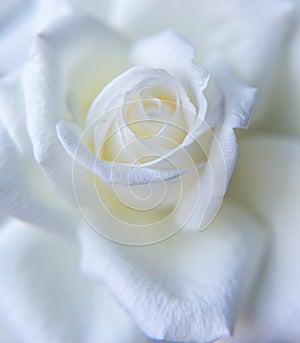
(247, 33)
(209, 192)
(19, 21)
(185, 288)
(44, 297)
(24, 192)
(267, 182)
(69, 63)
(206, 197)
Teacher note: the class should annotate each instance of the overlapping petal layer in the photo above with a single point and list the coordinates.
(24, 191)
(186, 288)
(45, 297)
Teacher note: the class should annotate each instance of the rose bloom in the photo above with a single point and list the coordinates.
(123, 218)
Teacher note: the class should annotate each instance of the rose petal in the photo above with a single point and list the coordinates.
(185, 288)
(72, 58)
(24, 192)
(209, 192)
(114, 173)
(19, 22)
(12, 113)
(133, 79)
(44, 297)
(174, 53)
(248, 34)
(266, 181)
(239, 98)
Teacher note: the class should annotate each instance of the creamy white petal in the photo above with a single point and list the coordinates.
(239, 99)
(132, 79)
(74, 57)
(14, 40)
(12, 112)
(19, 22)
(167, 50)
(45, 297)
(206, 197)
(24, 191)
(115, 173)
(248, 34)
(266, 181)
(186, 288)
(208, 193)
(174, 53)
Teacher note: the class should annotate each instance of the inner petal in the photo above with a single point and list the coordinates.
(149, 110)
(151, 107)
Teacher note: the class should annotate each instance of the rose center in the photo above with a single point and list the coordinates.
(146, 121)
(151, 107)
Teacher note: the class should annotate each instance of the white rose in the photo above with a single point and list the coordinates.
(161, 135)
(188, 287)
